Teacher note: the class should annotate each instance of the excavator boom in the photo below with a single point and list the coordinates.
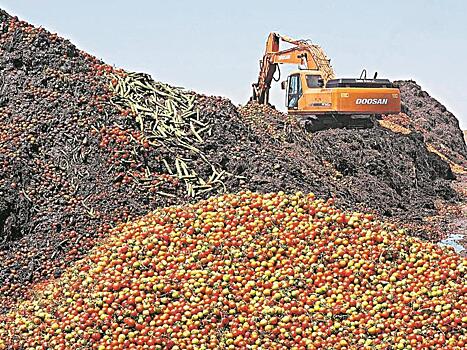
(304, 53)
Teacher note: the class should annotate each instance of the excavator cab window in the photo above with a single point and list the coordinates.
(294, 92)
(314, 81)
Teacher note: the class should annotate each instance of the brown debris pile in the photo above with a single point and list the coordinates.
(428, 116)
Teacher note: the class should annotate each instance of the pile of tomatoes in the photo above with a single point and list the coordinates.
(257, 271)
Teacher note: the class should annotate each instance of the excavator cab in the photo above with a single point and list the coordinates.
(293, 85)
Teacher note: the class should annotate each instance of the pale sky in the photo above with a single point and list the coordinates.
(214, 46)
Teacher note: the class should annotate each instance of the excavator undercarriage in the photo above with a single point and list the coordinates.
(313, 123)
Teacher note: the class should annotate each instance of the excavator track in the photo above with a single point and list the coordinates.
(312, 123)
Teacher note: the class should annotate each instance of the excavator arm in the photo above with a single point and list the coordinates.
(303, 53)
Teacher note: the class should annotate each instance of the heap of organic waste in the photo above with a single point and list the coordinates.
(270, 271)
(87, 150)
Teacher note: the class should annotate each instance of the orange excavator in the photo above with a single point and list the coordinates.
(314, 94)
